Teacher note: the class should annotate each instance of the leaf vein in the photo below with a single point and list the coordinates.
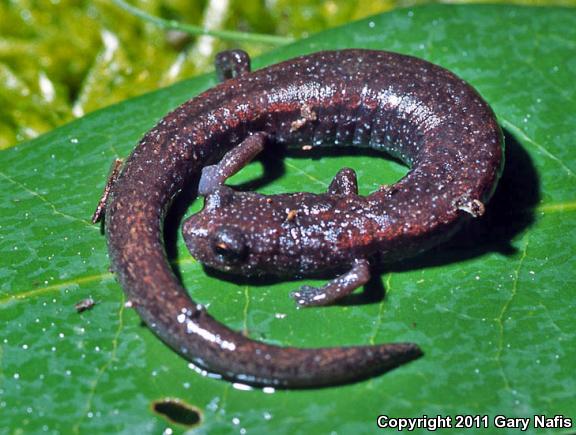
(518, 131)
(104, 366)
(26, 294)
(306, 174)
(500, 319)
(245, 310)
(378, 322)
(86, 222)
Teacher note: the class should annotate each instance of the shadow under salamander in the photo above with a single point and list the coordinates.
(509, 213)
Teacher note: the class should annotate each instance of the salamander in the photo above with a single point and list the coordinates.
(416, 111)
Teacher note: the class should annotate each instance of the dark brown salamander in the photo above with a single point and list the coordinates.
(419, 112)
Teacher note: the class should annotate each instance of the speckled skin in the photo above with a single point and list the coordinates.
(417, 111)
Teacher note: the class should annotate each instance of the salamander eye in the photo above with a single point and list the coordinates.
(229, 244)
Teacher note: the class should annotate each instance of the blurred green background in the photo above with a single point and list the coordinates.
(60, 59)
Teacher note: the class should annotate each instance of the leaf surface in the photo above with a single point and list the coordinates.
(493, 309)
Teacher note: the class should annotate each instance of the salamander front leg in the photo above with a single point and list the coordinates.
(339, 287)
(232, 63)
(234, 160)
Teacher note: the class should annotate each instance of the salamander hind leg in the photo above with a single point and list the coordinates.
(232, 63)
(344, 183)
(214, 176)
(112, 177)
(339, 287)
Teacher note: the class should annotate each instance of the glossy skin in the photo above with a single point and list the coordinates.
(420, 112)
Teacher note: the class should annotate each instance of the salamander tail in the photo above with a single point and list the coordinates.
(333, 366)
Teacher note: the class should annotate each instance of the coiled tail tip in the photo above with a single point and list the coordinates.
(337, 366)
(376, 360)
(390, 356)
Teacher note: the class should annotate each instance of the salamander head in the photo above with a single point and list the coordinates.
(239, 232)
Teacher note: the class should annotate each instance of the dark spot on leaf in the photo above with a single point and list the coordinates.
(177, 411)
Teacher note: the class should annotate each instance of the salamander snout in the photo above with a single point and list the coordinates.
(216, 245)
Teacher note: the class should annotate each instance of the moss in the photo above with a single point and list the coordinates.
(60, 59)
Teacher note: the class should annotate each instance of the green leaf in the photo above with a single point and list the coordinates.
(493, 309)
